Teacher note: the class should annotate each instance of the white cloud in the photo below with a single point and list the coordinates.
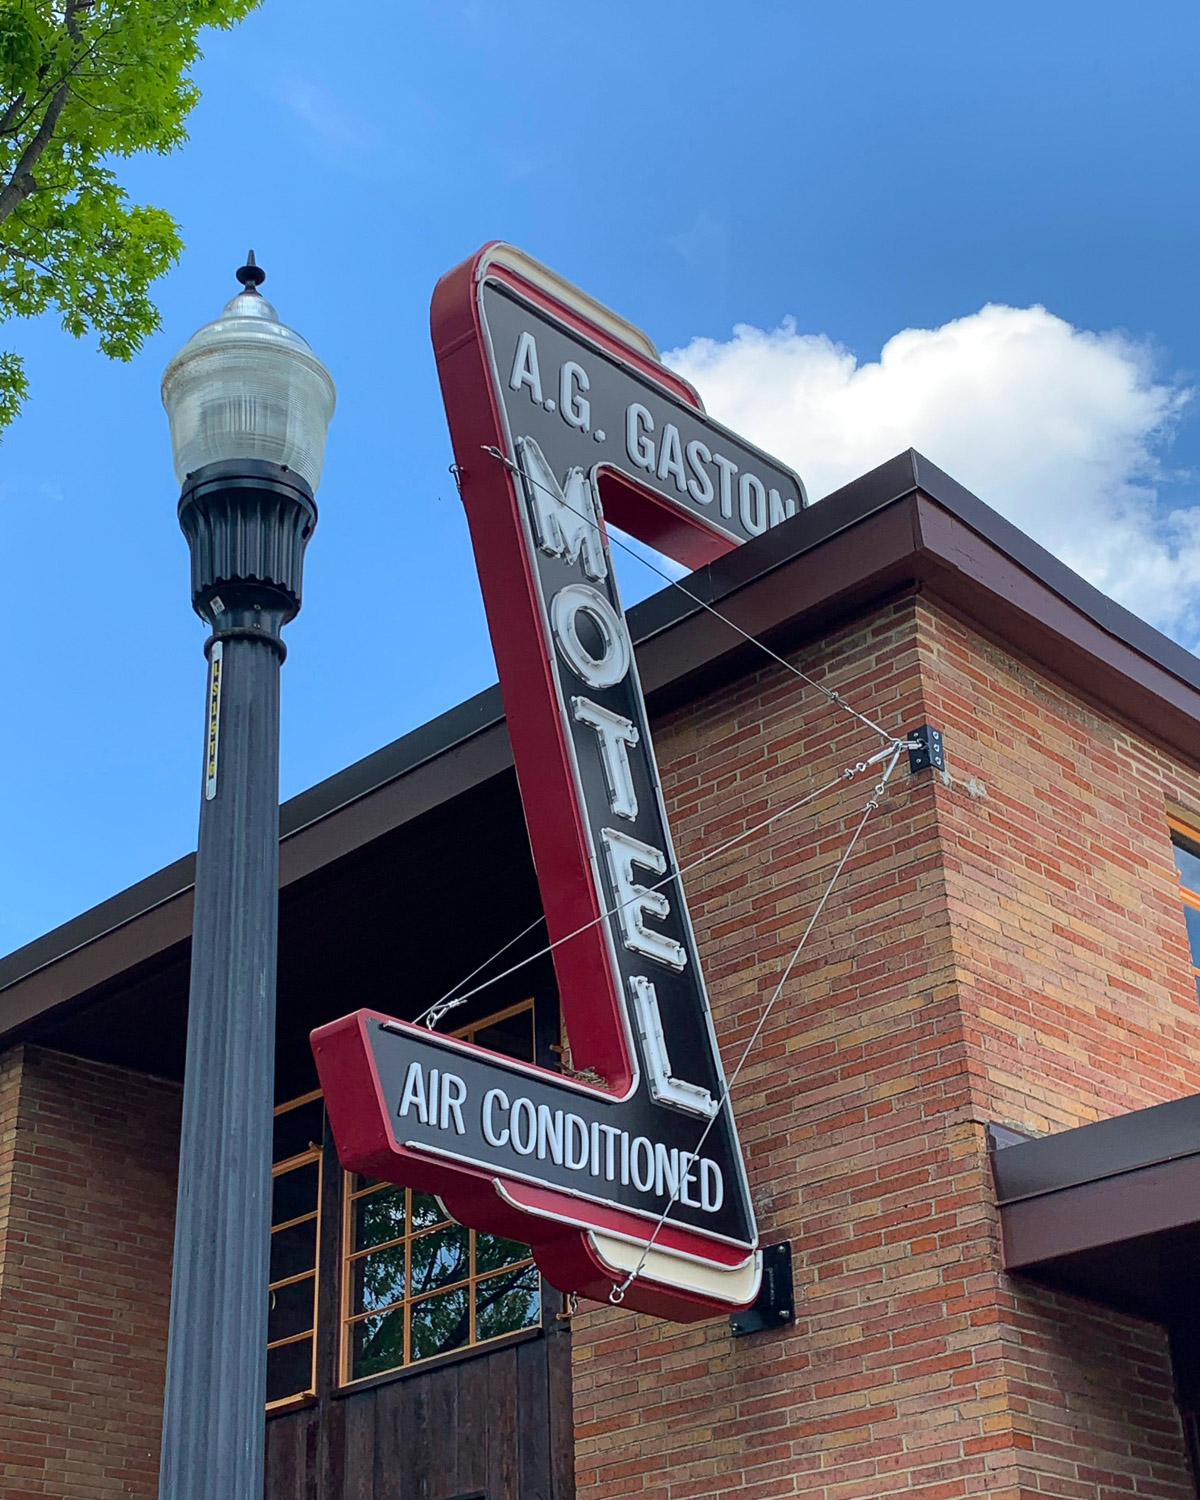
(1060, 430)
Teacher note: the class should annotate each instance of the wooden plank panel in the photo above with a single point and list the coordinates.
(533, 1427)
(358, 1448)
(282, 1477)
(308, 1454)
(443, 1436)
(474, 1401)
(561, 1414)
(332, 1456)
(400, 1413)
(499, 1423)
(502, 1425)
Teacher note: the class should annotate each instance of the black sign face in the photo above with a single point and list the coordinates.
(584, 408)
(449, 1099)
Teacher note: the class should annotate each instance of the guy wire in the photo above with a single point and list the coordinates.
(433, 1014)
(617, 1295)
(833, 697)
(451, 1001)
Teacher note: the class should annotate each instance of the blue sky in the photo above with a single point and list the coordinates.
(862, 169)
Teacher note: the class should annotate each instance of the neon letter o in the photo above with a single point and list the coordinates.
(598, 672)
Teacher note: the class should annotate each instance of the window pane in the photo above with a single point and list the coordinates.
(507, 1302)
(377, 1344)
(439, 1258)
(440, 1323)
(1192, 917)
(292, 1309)
(1188, 865)
(294, 1193)
(513, 1036)
(289, 1370)
(378, 1279)
(378, 1217)
(426, 1211)
(298, 1129)
(293, 1250)
(492, 1252)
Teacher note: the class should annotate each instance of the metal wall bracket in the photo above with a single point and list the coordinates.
(775, 1304)
(929, 749)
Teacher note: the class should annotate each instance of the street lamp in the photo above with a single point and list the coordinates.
(249, 405)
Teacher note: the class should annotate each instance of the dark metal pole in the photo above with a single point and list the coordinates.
(247, 524)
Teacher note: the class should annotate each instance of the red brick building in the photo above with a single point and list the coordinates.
(994, 1293)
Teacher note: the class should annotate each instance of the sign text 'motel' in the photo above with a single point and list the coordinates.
(563, 417)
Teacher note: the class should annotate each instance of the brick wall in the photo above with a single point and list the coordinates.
(1077, 989)
(88, 1156)
(1006, 944)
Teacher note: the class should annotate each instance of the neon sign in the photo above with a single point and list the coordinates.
(563, 418)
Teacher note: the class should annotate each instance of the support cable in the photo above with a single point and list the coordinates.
(617, 1295)
(834, 697)
(451, 1000)
(433, 1015)
(894, 747)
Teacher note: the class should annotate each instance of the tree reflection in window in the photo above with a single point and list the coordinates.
(417, 1284)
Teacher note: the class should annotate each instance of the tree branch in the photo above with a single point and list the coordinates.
(73, 11)
(9, 117)
(13, 253)
(21, 183)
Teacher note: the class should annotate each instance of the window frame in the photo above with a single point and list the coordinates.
(314, 1152)
(1189, 837)
(344, 1380)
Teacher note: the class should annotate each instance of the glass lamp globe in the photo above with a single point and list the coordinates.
(246, 386)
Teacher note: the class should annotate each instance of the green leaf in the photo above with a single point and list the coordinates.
(13, 387)
(83, 85)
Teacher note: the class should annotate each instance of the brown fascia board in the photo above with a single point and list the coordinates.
(1154, 1199)
(1037, 1169)
(1131, 1240)
(1099, 1185)
(904, 524)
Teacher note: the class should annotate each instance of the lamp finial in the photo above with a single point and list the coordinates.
(251, 275)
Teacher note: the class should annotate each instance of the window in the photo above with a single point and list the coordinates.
(410, 1282)
(509, 1031)
(418, 1284)
(295, 1239)
(414, 1283)
(1186, 847)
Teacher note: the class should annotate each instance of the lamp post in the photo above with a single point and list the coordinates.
(249, 404)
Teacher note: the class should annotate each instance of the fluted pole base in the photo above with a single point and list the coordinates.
(213, 1417)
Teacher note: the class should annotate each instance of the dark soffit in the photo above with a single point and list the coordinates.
(902, 525)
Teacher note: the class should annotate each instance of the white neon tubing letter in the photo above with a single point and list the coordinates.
(603, 671)
(616, 735)
(565, 517)
(634, 902)
(665, 1088)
